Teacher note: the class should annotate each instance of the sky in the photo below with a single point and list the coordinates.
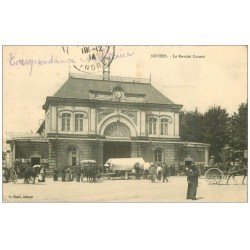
(194, 76)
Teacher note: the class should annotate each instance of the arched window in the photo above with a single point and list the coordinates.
(79, 122)
(152, 126)
(164, 126)
(66, 122)
(73, 155)
(158, 155)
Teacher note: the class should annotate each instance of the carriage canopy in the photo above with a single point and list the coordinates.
(87, 162)
(188, 161)
(124, 163)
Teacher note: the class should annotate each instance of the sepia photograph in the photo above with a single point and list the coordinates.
(111, 123)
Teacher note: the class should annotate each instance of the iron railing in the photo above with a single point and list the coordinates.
(110, 78)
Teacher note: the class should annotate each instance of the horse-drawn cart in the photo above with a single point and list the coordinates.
(123, 167)
(13, 175)
(23, 171)
(214, 175)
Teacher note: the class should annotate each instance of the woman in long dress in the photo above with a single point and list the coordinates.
(192, 179)
(69, 175)
(41, 177)
(152, 172)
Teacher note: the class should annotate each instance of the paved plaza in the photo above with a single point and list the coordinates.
(124, 191)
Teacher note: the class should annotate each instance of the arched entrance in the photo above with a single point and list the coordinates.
(158, 156)
(117, 129)
(114, 148)
(73, 155)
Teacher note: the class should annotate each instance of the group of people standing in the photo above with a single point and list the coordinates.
(67, 174)
(163, 172)
(76, 173)
(159, 172)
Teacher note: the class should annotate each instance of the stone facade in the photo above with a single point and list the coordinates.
(99, 120)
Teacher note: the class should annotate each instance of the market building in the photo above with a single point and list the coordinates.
(119, 117)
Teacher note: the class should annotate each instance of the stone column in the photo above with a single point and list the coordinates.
(143, 123)
(92, 118)
(52, 154)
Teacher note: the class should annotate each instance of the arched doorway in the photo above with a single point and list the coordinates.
(117, 129)
(158, 156)
(73, 155)
(115, 148)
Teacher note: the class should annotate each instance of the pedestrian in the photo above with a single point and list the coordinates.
(192, 179)
(137, 170)
(94, 172)
(145, 171)
(69, 174)
(78, 173)
(174, 170)
(55, 174)
(152, 172)
(41, 177)
(63, 172)
(211, 161)
(227, 167)
(159, 172)
(6, 175)
(237, 164)
(99, 173)
(165, 172)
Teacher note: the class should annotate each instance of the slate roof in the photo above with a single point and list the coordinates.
(80, 89)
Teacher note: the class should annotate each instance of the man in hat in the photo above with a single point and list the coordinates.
(165, 172)
(192, 179)
(137, 170)
(78, 172)
(63, 172)
(55, 174)
(211, 161)
(94, 171)
(152, 172)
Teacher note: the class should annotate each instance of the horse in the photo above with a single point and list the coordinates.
(86, 171)
(91, 172)
(30, 174)
(242, 171)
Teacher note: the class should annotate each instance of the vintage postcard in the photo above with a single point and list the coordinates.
(110, 123)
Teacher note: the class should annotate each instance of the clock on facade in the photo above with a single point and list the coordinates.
(118, 94)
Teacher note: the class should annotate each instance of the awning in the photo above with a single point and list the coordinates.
(31, 139)
(107, 139)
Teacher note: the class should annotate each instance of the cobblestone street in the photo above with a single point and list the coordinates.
(123, 191)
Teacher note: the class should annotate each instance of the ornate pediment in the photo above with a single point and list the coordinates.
(103, 113)
(131, 114)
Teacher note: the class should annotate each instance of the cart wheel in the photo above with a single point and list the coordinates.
(13, 176)
(214, 176)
